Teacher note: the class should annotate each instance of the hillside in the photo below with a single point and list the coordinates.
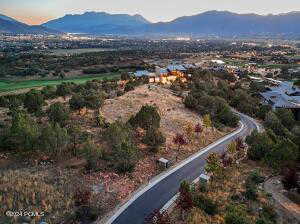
(97, 22)
(211, 23)
(4, 17)
(9, 25)
(225, 23)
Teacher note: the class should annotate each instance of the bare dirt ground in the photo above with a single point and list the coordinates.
(284, 205)
(174, 116)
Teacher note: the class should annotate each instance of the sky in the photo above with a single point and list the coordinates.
(40, 11)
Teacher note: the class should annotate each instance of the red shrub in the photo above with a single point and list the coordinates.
(157, 217)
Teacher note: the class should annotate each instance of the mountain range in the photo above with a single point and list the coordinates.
(97, 23)
(10, 25)
(211, 23)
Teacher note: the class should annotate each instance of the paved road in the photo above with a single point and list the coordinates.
(159, 194)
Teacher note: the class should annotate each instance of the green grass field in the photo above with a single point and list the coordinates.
(7, 86)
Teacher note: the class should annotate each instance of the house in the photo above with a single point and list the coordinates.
(141, 73)
(164, 75)
(255, 79)
(176, 69)
(283, 95)
(217, 61)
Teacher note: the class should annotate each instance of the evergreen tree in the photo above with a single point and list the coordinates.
(34, 102)
(154, 139)
(58, 113)
(24, 131)
(54, 138)
(147, 118)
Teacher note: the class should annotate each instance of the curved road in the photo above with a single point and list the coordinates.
(157, 193)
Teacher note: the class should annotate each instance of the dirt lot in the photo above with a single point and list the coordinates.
(174, 116)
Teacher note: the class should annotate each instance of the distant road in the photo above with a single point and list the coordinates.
(158, 192)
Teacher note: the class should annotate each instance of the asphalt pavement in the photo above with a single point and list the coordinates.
(157, 194)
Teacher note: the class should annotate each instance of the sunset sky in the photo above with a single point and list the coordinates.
(39, 11)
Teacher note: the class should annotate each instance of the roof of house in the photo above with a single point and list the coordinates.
(141, 73)
(162, 71)
(283, 95)
(176, 68)
(189, 66)
(218, 61)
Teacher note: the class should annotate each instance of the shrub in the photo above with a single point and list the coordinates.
(236, 215)
(77, 102)
(198, 129)
(268, 213)
(286, 117)
(34, 101)
(154, 139)
(274, 124)
(282, 153)
(49, 92)
(64, 89)
(23, 133)
(251, 192)
(263, 110)
(124, 152)
(86, 214)
(227, 117)
(92, 154)
(158, 217)
(129, 87)
(259, 145)
(54, 138)
(197, 216)
(125, 76)
(179, 140)
(185, 200)
(100, 120)
(117, 133)
(256, 177)
(94, 100)
(125, 157)
(203, 187)
(213, 165)
(82, 197)
(206, 204)
(147, 118)
(190, 102)
(290, 178)
(27, 188)
(58, 113)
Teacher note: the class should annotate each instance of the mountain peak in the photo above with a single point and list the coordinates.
(4, 17)
(95, 22)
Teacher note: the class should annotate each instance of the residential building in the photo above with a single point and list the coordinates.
(283, 95)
